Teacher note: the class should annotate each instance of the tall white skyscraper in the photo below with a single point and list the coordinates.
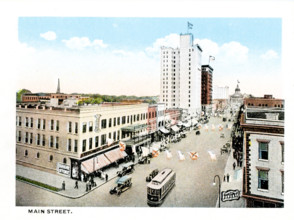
(180, 81)
(220, 92)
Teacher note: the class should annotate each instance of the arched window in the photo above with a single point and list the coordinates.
(26, 153)
(64, 160)
(38, 155)
(50, 158)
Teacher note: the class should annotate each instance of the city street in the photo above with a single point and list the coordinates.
(194, 178)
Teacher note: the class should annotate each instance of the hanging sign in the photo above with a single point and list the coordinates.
(230, 195)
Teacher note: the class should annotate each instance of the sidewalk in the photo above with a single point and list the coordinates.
(56, 180)
(235, 183)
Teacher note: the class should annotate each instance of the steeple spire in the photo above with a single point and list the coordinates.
(58, 87)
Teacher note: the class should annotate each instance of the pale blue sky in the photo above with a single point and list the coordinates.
(121, 55)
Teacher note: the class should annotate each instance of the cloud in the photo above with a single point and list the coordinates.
(122, 52)
(49, 35)
(79, 43)
(269, 55)
(232, 52)
(172, 40)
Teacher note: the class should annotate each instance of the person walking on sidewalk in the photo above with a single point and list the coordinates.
(234, 165)
(63, 185)
(106, 177)
(76, 185)
(228, 178)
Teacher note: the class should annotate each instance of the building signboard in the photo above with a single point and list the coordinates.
(63, 169)
(230, 195)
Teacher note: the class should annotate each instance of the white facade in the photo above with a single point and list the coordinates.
(160, 115)
(274, 165)
(220, 92)
(180, 81)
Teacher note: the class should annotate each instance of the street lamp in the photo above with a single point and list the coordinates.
(219, 188)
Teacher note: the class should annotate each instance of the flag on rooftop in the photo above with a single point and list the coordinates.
(190, 26)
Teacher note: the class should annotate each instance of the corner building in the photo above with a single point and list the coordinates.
(180, 81)
(56, 139)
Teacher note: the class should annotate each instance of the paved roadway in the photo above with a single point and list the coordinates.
(193, 181)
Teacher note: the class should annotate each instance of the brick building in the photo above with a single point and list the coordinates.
(206, 87)
(268, 101)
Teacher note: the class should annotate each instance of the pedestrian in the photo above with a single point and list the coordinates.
(76, 185)
(228, 178)
(234, 165)
(63, 185)
(106, 177)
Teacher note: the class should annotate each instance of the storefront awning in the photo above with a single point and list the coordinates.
(164, 130)
(134, 128)
(115, 155)
(93, 164)
(175, 128)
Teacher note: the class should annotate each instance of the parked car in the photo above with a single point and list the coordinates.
(144, 160)
(152, 175)
(197, 133)
(123, 184)
(126, 170)
(222, 135)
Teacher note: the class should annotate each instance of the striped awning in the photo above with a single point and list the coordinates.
(115, 155)
(93, 164)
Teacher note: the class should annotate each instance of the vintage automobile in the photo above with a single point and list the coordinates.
(145, 159)
(222, 135)
(127, 169)
(151, 175)
(123, 184)
(197, 133)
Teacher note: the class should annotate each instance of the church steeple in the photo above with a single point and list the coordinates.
(58, 87)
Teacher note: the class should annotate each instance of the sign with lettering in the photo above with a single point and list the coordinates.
(63, 169)
(230, 195)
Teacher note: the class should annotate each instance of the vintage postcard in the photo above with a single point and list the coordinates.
(171, 110)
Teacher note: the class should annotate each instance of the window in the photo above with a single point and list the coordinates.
(51, 141)
(76, 127)
(50, 158)
(31, 138)
(27, 122)
(263, 179)
(64, 160)
(19, 122)
(263, 150)
(282, 178)
(69, 145)
(43, 140)
(123, 120)
(103, 123)
(90, 143)
(27, 137)
(103, 139)
(39, 124)
(118, 135)
(26, 153)
(282, 149)
(128, 120)
(138, 117)
(69, 126)
(96, 141)
(56, 142)
(57, 126)
(32, 122)
(38, 155)
(52, 125)
(134, 118)
(114, 136)
(90, 126)
(84, 145)
(76, 146)
(118, 120)
(38, 139)
(84, 127)
(44, 124)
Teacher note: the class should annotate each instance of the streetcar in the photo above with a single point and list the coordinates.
(160, 186)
